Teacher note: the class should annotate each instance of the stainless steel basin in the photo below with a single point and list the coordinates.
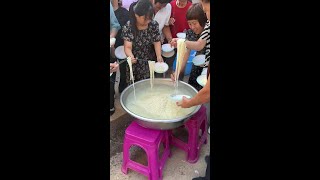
(162, 124)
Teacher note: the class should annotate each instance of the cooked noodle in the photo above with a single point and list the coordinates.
(181, 50)
(131, 75)
(151, 69)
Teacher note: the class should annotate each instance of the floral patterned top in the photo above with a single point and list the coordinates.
(142, 48)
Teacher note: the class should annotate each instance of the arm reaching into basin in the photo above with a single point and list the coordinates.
(202, 97)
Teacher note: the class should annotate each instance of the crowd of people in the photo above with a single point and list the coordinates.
(142, 26)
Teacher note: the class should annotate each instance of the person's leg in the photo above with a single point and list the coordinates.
(123, 82)
(112, 93)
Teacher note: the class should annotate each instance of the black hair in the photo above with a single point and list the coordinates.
(162, 1)
(141, 8)
(195, 12)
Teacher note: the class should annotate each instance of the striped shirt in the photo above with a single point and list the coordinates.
(205, 35)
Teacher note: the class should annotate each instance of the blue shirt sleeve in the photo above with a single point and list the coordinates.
(114, 23)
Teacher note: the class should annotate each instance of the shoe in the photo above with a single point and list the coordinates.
(207, 159)
(199, 178)
(112, 111)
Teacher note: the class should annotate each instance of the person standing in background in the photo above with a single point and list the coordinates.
(203, 96)
(114, 23)
(178, 20)
(114, 28)
(162, 10)
(141, 39)
(197, 21)
(122, 15)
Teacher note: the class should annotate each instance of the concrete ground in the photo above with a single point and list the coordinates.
(175, 168)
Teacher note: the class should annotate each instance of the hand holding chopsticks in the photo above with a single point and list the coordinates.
(136, 59)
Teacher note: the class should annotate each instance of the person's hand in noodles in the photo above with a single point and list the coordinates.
(202, 97)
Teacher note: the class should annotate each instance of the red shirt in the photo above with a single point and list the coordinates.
(179, 14)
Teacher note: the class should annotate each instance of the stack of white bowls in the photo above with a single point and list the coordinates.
(167, 50)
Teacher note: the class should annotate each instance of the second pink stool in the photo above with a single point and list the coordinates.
(193, 125)
(149, 140)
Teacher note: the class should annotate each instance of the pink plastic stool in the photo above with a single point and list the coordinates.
(149, 140)
(193, 125)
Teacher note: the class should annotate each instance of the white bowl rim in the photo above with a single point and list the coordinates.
(181, 33)
(122, 55)
(201, 76)
(200, 57)
(167, 47)
(168, 54)
(161, 64)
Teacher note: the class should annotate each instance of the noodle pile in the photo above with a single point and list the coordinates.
(156, 103)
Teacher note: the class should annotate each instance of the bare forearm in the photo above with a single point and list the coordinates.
(202, 97)
(157, 48)
(167, 33)
(196, 45)
(128, 50)
(113, 33)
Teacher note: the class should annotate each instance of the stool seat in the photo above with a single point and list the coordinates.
(143, 134)
(149, 140)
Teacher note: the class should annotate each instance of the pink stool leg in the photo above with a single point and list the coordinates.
(153, 163)
(126, 156)
(204, 129)
(193, 144)
(167, 141)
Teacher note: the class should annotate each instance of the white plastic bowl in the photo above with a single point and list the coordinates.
(202, 80)
(199, 60)
(167, 54)
(204, 71)
(181, 35)
(167, 48)
(119, 53)
(161, 67)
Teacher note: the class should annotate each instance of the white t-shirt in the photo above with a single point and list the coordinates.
(162, 17)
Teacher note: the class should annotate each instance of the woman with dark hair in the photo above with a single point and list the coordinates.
(203, 96)
(196, 20)
(141, 37)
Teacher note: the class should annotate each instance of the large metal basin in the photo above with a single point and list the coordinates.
(162, 124)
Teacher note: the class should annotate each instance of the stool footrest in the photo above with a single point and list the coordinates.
(138, 167)
(180, 144)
